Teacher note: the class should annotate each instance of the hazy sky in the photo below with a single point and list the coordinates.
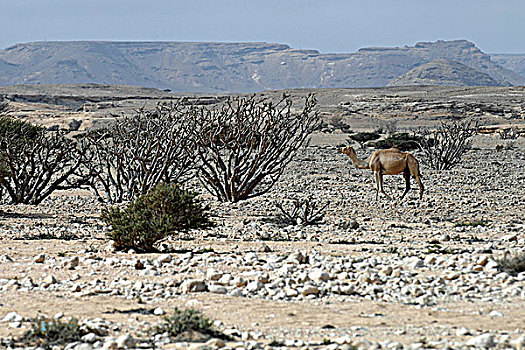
(495, 26)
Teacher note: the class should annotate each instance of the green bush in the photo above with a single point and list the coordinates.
(362, 137)
(47, 332)
(164, 210)
(404, 141)
(183, 325)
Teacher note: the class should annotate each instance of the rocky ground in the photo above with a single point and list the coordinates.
(373, 274)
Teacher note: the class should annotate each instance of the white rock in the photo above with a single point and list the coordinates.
(309, 290)
(12, 317)
(110, 247)
(213, 275)
(491, 266)
(189, 286)
(164, 259)
(319, 276)
(218, 289)
(460, 332)
(159, 311)
(83, 346)
(414, 262)
(484, 341)
(27, 282)
(518, 343)
(49, 280)
(90, 338)
(495, 313)
(72, 263)
(254, 286)
(125, 341)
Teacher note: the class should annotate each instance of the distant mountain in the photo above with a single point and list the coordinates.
(444, 72)
(228, 67)
(512, 62)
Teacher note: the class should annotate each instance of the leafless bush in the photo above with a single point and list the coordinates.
(34, 162)
(444, 147)
(509, 134)
(305, 211)
(244, 146)
(4, 105)
(137, 152)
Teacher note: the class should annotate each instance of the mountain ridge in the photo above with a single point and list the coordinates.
(228, 67)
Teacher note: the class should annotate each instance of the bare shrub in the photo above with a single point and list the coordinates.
(509, 133)
(443, 148)
(513, 265)
(137, 152)
(34, 162)
(305, 211)
(4, 105)
(244, 146)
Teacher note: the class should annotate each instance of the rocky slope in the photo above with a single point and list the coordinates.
(228, 67)
(444, 72)
(512, 62)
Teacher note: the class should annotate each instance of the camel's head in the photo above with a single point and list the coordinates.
(348, 150)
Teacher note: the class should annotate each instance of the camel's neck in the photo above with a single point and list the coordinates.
(361, 164)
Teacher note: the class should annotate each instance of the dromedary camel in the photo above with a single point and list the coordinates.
(388, 162)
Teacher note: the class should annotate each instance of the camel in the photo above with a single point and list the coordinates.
(388, 162)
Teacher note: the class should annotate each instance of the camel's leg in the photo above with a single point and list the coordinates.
(413, 165)
(406, 175)
(379, 179)
(376, 178)
(421, 187)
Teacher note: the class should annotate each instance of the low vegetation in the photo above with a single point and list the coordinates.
(404, 141)
(47, 333)
(363, 137)
(187, 324)
(513, 265)
(163, 211)
(305, 211)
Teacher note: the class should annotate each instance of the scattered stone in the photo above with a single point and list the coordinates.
(159, 311)
(12, 317)
(40, 258)
(484, 341)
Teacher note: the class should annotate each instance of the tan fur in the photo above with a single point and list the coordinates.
(388, 162)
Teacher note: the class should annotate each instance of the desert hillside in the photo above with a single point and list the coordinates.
(444, 72)
(230, 67)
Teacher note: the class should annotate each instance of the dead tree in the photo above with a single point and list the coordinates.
(137, 152)
(244, 146)
(443, 148)
(34, 162)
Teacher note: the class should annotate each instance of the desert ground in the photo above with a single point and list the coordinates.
(395, 274)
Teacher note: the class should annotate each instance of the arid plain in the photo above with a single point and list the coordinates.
(396, 274)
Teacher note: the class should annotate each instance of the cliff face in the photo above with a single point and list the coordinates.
(228, 67)
(444, 72)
